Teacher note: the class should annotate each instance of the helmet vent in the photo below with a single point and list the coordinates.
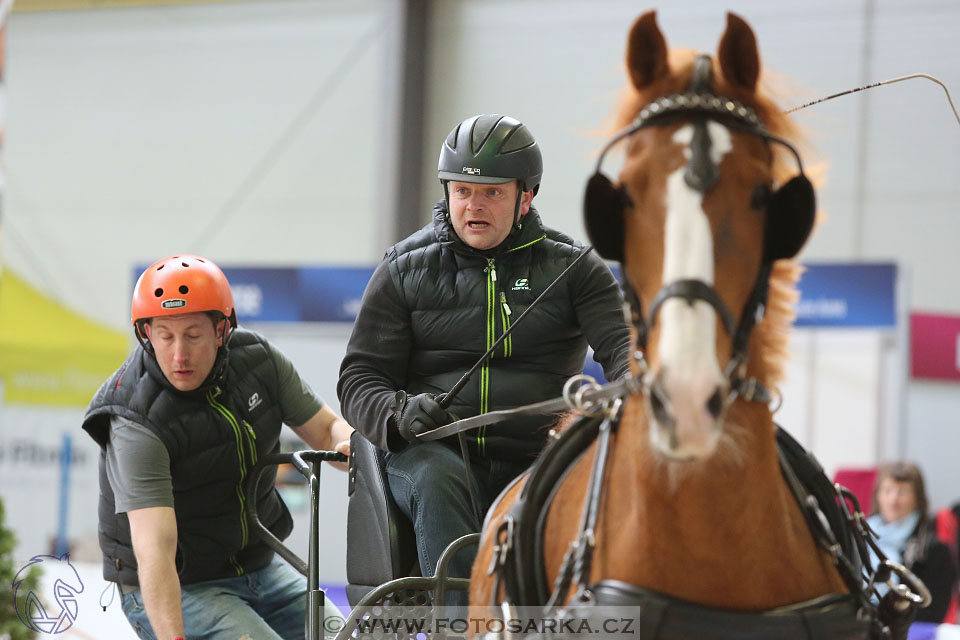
(482, 129)
(161, 267)
(184, 289)
(518, 140)
(185, 264)
(158, 292)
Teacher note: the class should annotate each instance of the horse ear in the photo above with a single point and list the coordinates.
(646, 51)
(739, 59)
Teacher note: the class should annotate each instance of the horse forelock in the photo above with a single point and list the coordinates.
(771, 336)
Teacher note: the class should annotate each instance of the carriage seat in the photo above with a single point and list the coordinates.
(381, 545)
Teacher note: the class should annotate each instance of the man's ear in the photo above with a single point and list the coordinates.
(221, 328)
(147, 330)
(526, 198)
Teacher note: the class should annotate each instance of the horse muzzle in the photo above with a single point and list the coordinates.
(686, 413)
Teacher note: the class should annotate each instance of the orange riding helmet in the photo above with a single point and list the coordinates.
(181, 284)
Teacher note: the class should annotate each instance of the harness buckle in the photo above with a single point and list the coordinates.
(574, 398)
(909, 588)
(502, 546)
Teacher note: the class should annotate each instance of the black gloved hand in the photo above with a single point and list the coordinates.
(418, 414)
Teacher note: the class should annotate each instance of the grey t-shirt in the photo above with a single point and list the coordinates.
(137, 462)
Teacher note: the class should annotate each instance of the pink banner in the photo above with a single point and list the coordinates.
(933, 346)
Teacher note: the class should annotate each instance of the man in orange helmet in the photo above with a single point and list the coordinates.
(180, 424)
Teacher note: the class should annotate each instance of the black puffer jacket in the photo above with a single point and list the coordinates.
(435, 305)
(214, 436)
(930, 559)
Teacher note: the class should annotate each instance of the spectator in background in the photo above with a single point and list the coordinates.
(907, 535)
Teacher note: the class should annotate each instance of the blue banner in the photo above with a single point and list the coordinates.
(306, 294)
(848, 295)
(852, 295)
(831, 295)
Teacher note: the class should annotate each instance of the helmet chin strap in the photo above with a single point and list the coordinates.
(516, 209)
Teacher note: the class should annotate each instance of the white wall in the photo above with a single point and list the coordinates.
(243, 131)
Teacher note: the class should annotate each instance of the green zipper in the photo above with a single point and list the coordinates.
(505, 314)
(244, 435)
(524, 246)
(491, 322)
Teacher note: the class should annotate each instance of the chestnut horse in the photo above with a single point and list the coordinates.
(705, 220)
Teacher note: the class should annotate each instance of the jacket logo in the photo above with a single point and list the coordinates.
(471, 171)
(175, 303)
(522, 284)
(254, 401)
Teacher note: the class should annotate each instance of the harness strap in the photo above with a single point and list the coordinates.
(518, 560)
(579, 557)
(691, 291)
(657, 616)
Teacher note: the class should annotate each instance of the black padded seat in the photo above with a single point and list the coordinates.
(381, 545)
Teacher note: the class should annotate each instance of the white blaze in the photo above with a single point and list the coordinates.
(687, 345)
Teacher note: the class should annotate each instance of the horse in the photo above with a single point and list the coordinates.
(680, 495)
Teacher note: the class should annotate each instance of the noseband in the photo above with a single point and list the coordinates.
(604, 209)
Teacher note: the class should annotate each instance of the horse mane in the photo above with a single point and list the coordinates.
(770, 338)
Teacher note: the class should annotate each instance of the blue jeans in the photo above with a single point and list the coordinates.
(428, 482)
(269, 604)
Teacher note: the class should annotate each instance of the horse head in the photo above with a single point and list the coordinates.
(698, 218)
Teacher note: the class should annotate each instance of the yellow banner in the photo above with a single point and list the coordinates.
(50, 355)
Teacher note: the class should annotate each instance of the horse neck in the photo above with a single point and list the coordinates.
(703, 530)
(742, 476)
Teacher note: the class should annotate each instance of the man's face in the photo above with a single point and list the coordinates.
(186, 347)
(482, 214)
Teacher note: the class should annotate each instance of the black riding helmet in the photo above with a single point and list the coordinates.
(491, 149)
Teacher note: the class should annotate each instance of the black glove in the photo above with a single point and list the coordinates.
(418, 414)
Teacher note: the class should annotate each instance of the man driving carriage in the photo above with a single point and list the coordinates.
(439, 300)
(181, 423)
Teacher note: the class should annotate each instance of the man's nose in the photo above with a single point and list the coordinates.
(180, 351)
(475, 202)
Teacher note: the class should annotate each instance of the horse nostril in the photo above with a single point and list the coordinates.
(658, 404)
(715, 404)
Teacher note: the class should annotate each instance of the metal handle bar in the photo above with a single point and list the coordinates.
(308, 463)
(302, 461)
(299, 459)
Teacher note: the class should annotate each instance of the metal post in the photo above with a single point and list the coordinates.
(315, 597)
(403, 162)
(61, 547)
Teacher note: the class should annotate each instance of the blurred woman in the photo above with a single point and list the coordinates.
(907, 535)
